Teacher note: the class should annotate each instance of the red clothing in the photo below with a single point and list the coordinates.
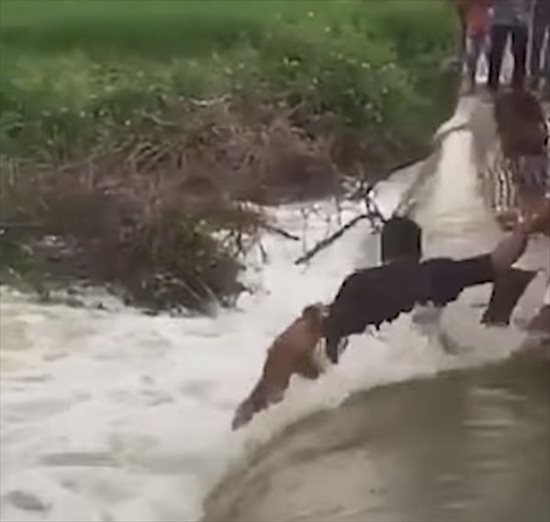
(477, 16)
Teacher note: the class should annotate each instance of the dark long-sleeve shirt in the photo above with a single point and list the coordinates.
(376, 295)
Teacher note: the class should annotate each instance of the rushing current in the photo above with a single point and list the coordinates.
(113, 415)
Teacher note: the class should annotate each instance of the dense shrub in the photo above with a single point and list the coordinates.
(135, 132)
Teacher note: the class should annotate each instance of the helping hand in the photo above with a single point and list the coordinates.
(540, 222)
(335, 348)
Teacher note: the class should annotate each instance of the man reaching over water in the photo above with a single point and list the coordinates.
(380, 294)
(371, 297)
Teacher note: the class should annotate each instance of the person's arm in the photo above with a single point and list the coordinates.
(450, 277)
(507, 291)
(541, 222)
(370, 297)
(511, 248)
(349, 313)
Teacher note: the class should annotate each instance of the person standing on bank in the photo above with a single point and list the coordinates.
(477, 17)
(510, 18)
(460, 6)
(540, 27)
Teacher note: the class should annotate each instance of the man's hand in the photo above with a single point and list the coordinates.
(511, 248)
(540, 222)
(335, 348)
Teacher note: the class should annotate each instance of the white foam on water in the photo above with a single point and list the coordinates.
(115, 415)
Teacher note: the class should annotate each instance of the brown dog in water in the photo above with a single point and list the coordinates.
(292, 352)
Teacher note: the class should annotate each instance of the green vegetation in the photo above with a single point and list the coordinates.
(116, 93)
(67, 64)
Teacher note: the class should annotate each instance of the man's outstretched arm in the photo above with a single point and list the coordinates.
(488, 268)
(511, 248)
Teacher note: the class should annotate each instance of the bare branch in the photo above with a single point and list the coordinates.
(321, 245)
(279, 231)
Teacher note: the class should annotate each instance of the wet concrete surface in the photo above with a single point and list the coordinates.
(468, 445)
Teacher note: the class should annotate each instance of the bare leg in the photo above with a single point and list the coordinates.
(507, 291)
(541, 322)
(519, 49)
(499, 36)
(474, 47)
(537, 39)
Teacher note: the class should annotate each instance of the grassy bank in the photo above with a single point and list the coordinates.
(149, 114)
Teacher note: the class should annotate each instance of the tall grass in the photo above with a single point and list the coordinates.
(68, 65)
(90, 82)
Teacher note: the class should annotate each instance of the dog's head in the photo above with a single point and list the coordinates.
(315, 315)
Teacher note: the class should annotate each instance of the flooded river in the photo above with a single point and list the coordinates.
(465, 445)
(112, 415)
